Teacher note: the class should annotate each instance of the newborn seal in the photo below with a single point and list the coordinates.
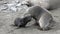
(41, 16)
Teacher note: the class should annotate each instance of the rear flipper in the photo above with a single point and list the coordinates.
(50, 26)
(45, 21)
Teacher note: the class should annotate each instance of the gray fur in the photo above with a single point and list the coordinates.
(42, 16)
(39, 14)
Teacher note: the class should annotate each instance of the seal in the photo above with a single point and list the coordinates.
(41, 16)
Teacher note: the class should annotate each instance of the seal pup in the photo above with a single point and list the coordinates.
(41, 16)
